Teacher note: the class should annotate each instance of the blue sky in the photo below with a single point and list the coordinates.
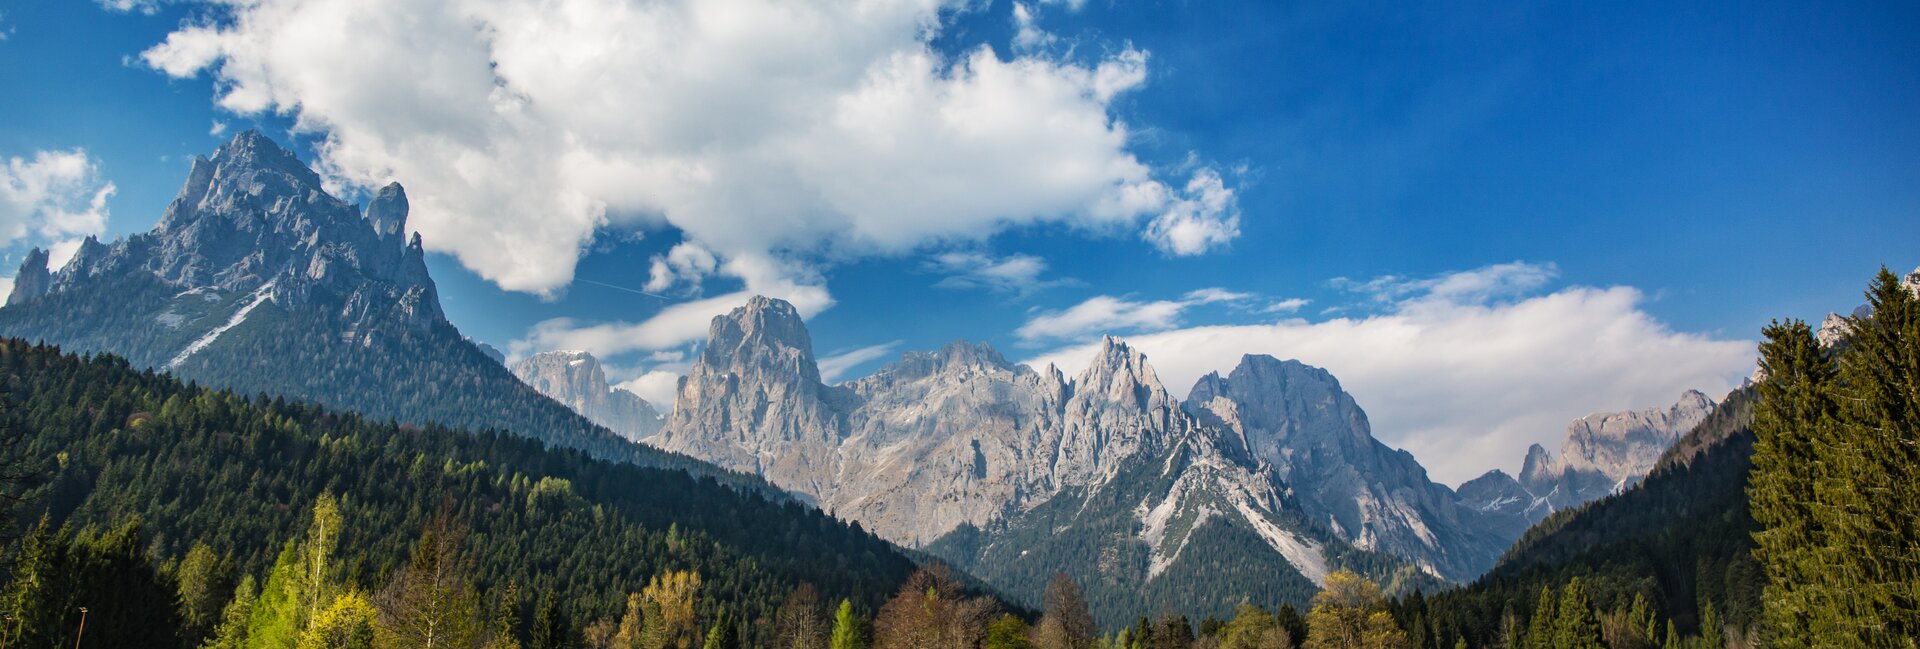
(1455, 190)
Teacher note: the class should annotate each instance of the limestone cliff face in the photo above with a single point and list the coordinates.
(754, 402)
(1298, 419)
(1603, 454)
(1105, 474)
(920, 447)
(959, 440)
(576, 379)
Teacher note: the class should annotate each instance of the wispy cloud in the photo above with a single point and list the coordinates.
(1018, 273)
(835, 366)
(1107, 314)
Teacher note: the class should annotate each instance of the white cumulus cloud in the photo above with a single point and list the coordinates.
(813, 130)
(53, 199)
(1465, 372)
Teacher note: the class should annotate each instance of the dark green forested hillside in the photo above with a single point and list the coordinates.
(241, 476)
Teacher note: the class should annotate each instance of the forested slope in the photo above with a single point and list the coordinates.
(240, 475)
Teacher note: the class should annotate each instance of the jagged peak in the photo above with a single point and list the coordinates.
(251, 149)
(387, 210)
(761, 324)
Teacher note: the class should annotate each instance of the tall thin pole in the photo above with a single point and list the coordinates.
(83, 628)
(6, 632)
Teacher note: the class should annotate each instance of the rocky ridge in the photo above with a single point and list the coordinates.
(1602, 454)
(576, 379)
(960, 439)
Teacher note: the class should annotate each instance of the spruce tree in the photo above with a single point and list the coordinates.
(1874, 499)
(1793, 419)
(1575, 625)
(1540, 627)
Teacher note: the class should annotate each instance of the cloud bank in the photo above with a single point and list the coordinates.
(1466, 369)
(812, 130)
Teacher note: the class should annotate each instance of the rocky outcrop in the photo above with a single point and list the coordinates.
(33, 280)
(576, 379)
(1603, 454)
(1298, 419)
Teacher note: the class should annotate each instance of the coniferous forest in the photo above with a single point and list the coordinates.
(149, 513)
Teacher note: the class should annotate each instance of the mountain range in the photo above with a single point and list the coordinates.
(1258, 484)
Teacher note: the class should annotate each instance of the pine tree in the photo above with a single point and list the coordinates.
(202, 576)
(506, 618)
(232, 630)
(723, 635)
(1713, 634)
(846, 628)
(1873, 500)
(1575, 625)
(1540, 627)
(551, 629)
(1793, 419)
(42, 598)
(276, 620)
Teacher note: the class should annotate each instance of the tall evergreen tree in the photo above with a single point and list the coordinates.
(232, 630)
(846, 628)
(1873, 501)
(1540, 627)
(1793, 419)
(1575, 624)
(551, 629)
(724, 634)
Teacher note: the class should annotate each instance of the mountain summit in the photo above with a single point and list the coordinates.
(256, 278)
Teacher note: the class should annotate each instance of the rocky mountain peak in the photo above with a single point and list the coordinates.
(1604, 453)
(1297, 418)
(765, 331)
(33, 279)
(1121, 374)
(387, 212)
(576, 379)
(1538, 463)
